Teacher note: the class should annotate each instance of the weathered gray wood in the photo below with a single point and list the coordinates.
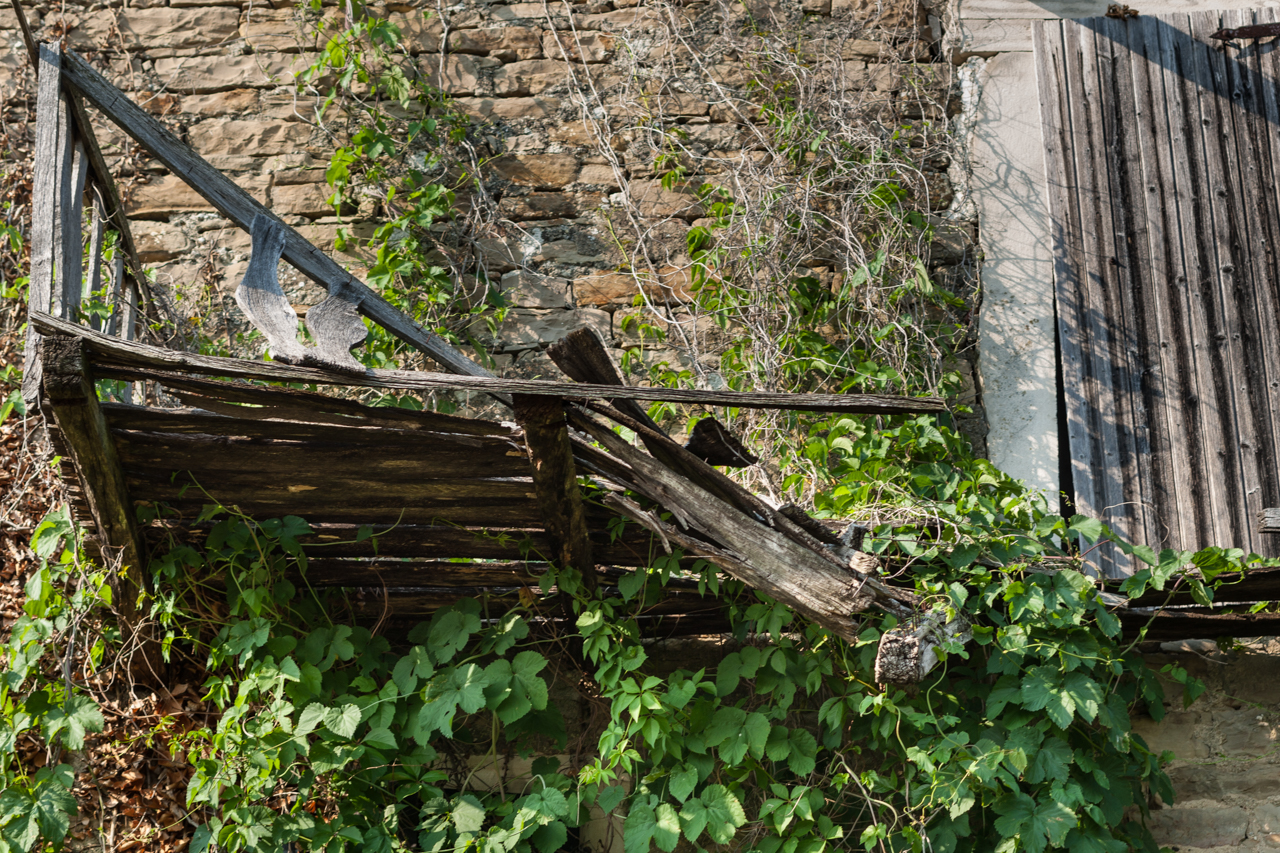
(712, 442)
(52, 159)
(256, 402)
(1224, 197)
(770, 561)
(261, 298)
(97, 233)
(1256, 335)
(583, 357)
(1184, 75)
(1055, 117)
(337, 328)
(115, 358)
(555, 478)
(1269, 520)
(1175, 625)
(908, 652)
(241, 208)
(1166, 374)
(70, 258)
(73, 403)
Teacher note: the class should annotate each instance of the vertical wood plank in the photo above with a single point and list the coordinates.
(555, 479)
(73, 403)
(1249, 312)
(97, 233)
(1213, 156)
(51, 123)
(1205, 404)
(1168, 369)
(1101, 315)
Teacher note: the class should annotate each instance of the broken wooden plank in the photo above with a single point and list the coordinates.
(239, 400)
(555, 479)
(52, 167)
(769, 561)
(73, 403)
(583, 357)
(261, 298)
(69, 249)
(712, 442)
(909, 652)
(336, 326)
(115, 358)
(241, 208)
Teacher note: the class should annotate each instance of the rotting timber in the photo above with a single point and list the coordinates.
(459, 506)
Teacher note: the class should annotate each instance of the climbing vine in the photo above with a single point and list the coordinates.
(332, 734)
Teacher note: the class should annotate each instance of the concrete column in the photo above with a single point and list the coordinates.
(1016, 347)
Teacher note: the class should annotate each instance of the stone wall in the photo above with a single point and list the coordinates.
(572, 103)
(1226, 773)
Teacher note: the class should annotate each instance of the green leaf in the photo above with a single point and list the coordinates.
(666, 832)
(311, 717)
(77, 716)
(468, 814)
(342, 721)
(610, 798)
(54, 806)
(381, 737)
(551, 837)
(1036, 824)
(1042, 690)
(804, 752)
(1050, 761)
(450, 630)
(778, 747)
(638, 828)
(720, 812)
(683, 781)
(1085, 693)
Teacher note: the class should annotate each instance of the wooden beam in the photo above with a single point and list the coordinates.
(763, 558)
(241, 208)
(583, 357)
(73, 403)
(52, 159)
(124, 360)
(555, 479)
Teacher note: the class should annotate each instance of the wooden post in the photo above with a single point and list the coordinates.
(73, 403)
(49, 182)
(555, 479)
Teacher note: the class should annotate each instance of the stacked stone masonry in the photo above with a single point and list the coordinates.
(568, 99)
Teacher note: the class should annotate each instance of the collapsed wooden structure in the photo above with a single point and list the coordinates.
(460, 506)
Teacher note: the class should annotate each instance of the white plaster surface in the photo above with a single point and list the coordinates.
(1016, 328)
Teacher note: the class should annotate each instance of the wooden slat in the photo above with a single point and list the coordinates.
(121, 360)
(1259, 305)
(97, 235)
(1166, 365)
(52, 162)
(1053, 83)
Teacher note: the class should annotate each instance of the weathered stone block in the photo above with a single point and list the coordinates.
(538, 205)
(1259, 780)
(530, 77)
(275, 30)
(418, 33)
(1175, 733)
(248, 136)
(508, 43)
(543, 171)
(524, 289)
(168, 195)
(159, 241)
(156, 30)
(605, 288)
(221, 103)
(526, 328)
(653, 200)
(498, 256)
(885, 14)
(455, 74)
(599, 175)
(578, 47)
(510, 108)
(1243, 733)
(639, 18)
(816, 7)
(1199, 827)
(204, 74)
(310, 200)
(567, 252)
